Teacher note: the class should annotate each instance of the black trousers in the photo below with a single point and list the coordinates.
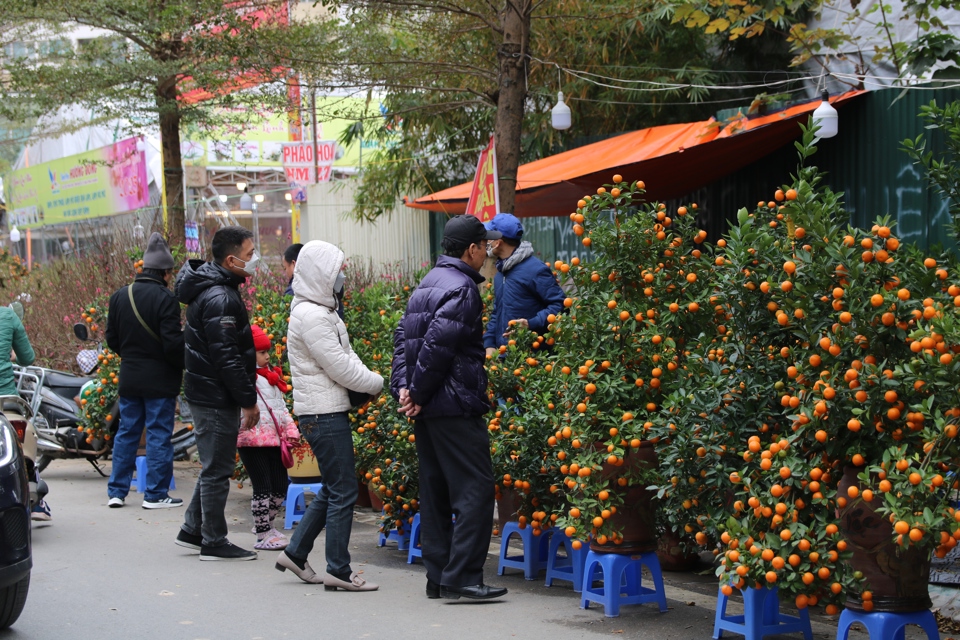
(456, 478)
(265, 468)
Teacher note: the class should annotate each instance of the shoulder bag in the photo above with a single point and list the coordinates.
(286, 454)
(139, 317)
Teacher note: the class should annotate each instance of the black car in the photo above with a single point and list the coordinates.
(15, 557)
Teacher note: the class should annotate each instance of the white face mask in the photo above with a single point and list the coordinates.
(338, 283)
(250, 266)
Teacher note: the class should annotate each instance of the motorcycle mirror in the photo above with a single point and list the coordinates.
(80, 330)
(17, 307)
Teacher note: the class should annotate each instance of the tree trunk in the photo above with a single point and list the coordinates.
(172, 169)
(515, 21)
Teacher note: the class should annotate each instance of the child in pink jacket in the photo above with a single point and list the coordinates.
(259, 447)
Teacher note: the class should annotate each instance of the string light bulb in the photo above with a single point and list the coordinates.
(560, 116)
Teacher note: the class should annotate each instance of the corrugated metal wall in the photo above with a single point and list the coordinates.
(865, 162)
(402, 237)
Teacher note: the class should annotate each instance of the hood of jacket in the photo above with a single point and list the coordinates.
(521, 253)
(196, 276)
(317, 267)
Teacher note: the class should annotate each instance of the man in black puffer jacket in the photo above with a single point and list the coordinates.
(220, 383)
(439, 379)
(143, 328)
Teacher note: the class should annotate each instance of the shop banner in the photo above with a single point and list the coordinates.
(299, 164)
(484, 200)
(102, 182)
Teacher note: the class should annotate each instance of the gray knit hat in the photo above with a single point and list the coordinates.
(158, 254)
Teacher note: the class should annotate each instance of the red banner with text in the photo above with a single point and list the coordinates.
(485, 196)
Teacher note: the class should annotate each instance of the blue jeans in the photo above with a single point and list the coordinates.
(329, 437)
(156, 415)
(217, 429)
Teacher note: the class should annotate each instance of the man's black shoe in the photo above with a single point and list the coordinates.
(433, 589)
(188, 540)
(228, 552)
(473, 592)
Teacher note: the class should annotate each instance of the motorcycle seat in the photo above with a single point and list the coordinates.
(65, 380)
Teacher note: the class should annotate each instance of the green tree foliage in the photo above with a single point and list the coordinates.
(142, 60)
(439, 66)
(867, 27)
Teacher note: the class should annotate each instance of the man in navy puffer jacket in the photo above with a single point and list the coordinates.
(525, 290)
(439, 379)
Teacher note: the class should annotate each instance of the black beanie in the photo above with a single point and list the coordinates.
(158, 255)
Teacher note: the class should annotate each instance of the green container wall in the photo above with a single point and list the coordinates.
(864, 161)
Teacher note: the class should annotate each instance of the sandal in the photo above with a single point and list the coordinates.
(273, 541)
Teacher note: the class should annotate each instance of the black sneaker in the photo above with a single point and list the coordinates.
(162, 503)
(189, 541)
(228, 552)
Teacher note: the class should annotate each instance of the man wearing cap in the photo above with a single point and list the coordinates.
(439, 380)
(143, 328)
(525, 290)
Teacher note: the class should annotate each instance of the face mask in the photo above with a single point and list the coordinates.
(250, 266)
(338, 283)
(489, 250)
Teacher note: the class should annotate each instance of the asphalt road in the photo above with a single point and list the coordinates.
(104, 573)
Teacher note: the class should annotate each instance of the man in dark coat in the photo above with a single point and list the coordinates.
(439, 379)
(143, 328)
(219, 385)
(525, 290)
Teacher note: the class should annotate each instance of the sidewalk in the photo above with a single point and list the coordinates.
(115, 573)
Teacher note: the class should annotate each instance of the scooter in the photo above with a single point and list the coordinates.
(183, 439)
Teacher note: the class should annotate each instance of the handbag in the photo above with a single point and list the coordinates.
(358, 398)
(286, 454)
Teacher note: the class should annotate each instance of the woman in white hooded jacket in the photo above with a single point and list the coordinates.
(324, 368)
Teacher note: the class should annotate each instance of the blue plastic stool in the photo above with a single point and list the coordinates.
(565, 568)
(402, 539)
(296, 503)
(622, 581)
(761, 617)
(140, 475)
(535, 549)
(887, 626)
(414, 552)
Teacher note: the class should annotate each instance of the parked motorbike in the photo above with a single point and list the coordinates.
(56, 417)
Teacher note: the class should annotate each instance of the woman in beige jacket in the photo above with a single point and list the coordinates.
(323, 368)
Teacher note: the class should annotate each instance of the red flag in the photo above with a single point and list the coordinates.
(485, 197)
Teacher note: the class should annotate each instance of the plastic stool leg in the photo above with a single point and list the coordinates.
(721, 614)
(141, 474)
(653, 564)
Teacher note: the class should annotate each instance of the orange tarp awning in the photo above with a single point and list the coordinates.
(673, 160)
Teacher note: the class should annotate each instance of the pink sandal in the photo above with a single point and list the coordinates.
(273, 541)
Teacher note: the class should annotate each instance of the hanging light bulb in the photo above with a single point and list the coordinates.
(14, 234)
(241, 186)
(825, 117)
(287, 197)
(560, 116)
(259, 198)
(223, 197)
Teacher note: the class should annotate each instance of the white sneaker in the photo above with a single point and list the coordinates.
(115, 503)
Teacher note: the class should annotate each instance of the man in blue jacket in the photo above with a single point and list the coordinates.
(439, 379)
(525, 290)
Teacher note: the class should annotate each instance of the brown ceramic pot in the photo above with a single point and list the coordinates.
(897, 577)
(636, 519)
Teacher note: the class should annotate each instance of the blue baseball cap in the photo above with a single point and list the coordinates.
(507, 224)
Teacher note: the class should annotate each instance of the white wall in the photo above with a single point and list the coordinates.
(402, 236)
